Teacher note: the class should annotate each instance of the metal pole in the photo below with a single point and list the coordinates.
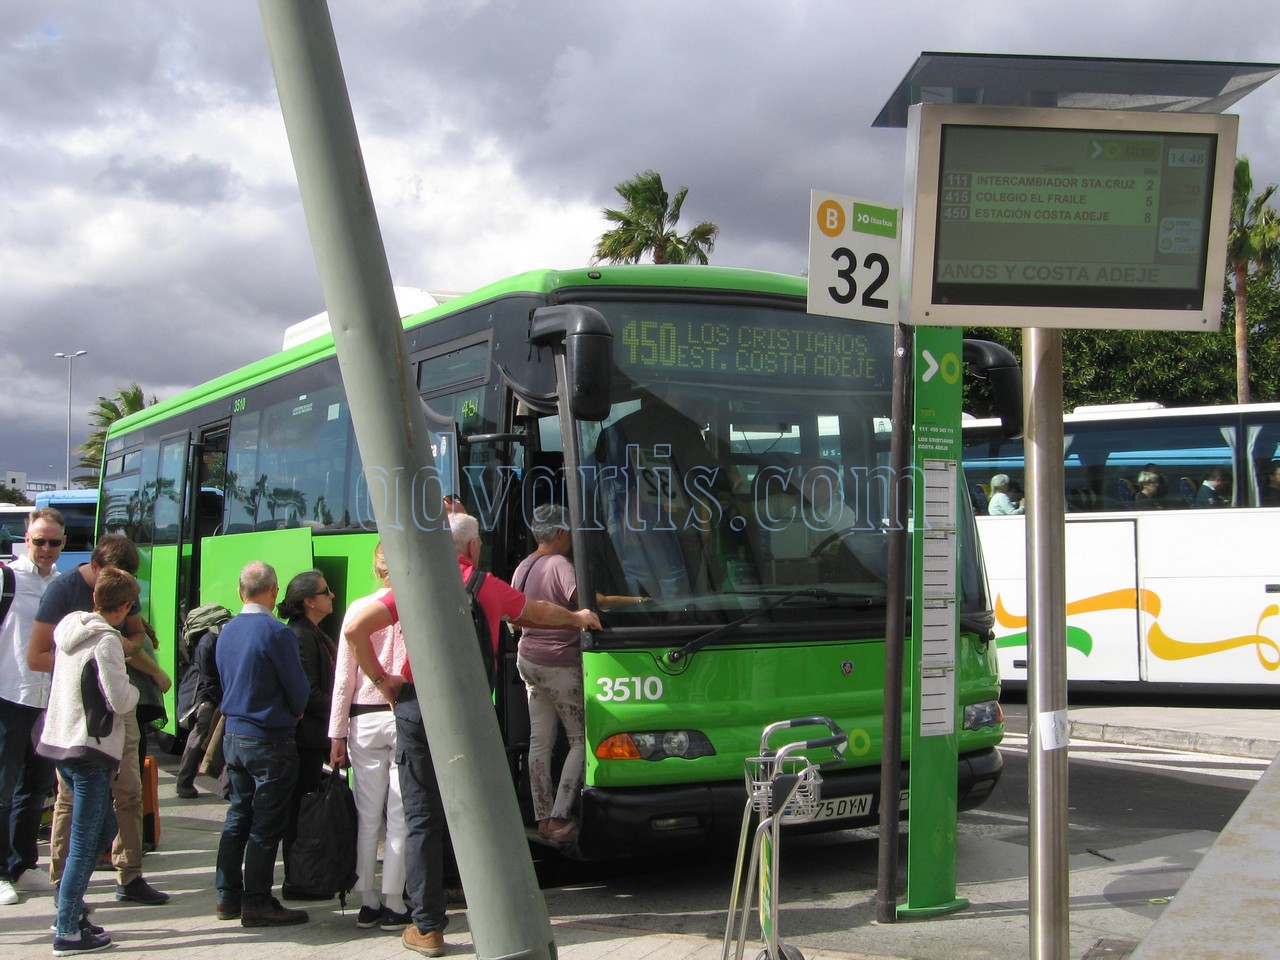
(895, 631)
(507, 913)
(1047, 646)
(71, 359)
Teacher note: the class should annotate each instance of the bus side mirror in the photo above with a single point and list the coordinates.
(1000, 368)
(588, 354)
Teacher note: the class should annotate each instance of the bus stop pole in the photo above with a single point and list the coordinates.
(1048, 729)
(506, 911)
(895, 629)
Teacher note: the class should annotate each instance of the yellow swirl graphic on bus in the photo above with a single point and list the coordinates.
(1166, 648)
(1158, 642)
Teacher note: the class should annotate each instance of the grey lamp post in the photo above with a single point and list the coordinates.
(71, 359)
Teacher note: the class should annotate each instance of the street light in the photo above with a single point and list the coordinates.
(70, 358)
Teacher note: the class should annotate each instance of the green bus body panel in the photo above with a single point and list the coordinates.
(288, 551)
(731, 693)
(161, 610)
(346, 561)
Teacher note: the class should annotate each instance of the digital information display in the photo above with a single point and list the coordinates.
(1099, 217)
(749, 346)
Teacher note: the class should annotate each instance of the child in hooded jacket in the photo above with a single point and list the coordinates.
(84, 737)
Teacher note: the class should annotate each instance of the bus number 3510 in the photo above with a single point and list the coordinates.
(619, 689)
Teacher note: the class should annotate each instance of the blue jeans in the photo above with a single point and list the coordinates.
(423, 816)
(25, 780)
(93, 826)
(262, 774)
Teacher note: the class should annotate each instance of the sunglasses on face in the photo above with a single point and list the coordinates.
(42, 542)
(324, 593)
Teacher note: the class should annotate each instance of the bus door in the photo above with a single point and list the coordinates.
(162, 523)
(203, 514)
(188, 507)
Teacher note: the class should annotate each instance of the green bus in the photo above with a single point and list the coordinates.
(737, 479)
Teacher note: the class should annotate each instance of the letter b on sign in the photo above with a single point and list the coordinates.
(831, 218)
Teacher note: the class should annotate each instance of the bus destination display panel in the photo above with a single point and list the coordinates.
(1072, 217)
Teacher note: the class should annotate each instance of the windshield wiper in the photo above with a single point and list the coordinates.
(697, 643)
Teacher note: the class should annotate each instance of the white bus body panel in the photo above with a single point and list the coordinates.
(1176, 596)
(1102, 642)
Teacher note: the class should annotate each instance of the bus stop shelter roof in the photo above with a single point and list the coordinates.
(1096, 83)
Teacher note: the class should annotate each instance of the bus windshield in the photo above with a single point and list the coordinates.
(744, 459)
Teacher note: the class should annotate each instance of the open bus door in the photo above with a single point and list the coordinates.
(199, 492)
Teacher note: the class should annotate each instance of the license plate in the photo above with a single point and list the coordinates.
(843, 808)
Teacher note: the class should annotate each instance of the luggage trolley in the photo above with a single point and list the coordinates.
(783, 786)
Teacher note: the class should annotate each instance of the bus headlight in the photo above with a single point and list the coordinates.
(984, 714)
(655, 745)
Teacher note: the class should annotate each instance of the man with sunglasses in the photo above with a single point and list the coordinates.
(25, 777)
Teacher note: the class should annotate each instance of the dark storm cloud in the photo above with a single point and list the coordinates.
(191, 182)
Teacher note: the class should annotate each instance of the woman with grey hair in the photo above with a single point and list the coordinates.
(550, 663)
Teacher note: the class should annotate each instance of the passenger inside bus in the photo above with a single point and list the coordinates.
(1152, 491)
(1215, 489)
(1000, 503)
(1270, 494)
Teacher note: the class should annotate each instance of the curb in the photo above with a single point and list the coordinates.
(1251, 747)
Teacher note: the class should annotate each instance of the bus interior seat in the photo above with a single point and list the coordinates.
(1187, 488)
(980, 498)
(1122, 491)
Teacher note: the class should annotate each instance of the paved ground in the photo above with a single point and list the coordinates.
(183, 866)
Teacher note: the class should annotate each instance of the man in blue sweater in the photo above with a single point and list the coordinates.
(264, 692)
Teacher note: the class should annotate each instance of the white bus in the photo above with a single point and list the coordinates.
(1171, 584)
(13, 527)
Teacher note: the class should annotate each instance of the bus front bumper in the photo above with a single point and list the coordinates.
(644, 821)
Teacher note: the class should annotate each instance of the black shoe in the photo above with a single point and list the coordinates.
(274, 914)
(369, 917)
(86, 943)
(85, 924)
(187, 792)
(139, 891)
(228, 910)
(395, 921)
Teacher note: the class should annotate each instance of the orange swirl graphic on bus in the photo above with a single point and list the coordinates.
(1158, 642)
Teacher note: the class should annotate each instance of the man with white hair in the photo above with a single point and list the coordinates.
(999, 503)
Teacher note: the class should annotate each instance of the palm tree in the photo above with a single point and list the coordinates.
(102, 415)
(647, 224)
(1254, 240)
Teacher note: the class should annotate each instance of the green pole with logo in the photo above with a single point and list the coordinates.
(933, 742)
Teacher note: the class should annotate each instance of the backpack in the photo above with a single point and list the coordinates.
(205, 619)
(10, 588)
(322, 859)
(480, 622)
(98, 718)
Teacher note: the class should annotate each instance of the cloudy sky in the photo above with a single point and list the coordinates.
(149, 212)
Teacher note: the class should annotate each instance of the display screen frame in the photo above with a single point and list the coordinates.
(1062, 293)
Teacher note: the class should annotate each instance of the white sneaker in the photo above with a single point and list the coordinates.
(33, 881)
(8, 895)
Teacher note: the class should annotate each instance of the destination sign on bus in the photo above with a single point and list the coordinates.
(1096, 211)
(736, 349)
